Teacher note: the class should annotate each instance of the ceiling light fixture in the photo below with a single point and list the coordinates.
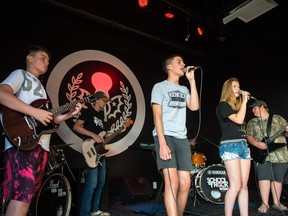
(143, 3)
(200, 31)
(169, 14)
(249, 10)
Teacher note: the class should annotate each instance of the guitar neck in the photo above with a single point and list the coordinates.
(274, 136)
(118, 131)
(69, 106)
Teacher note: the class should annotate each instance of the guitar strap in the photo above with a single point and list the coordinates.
(269, 123)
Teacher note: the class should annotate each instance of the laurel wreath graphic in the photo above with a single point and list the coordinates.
(71, 96)
(73, 88)
(127, 107)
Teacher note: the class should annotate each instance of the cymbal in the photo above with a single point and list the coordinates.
(61, 145)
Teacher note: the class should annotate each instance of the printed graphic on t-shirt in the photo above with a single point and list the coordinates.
(27, 84)
(98, 122)
(177, 99)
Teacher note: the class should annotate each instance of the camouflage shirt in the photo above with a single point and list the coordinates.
(258, 129)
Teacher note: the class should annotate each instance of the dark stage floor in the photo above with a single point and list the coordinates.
(200, 207)
(195, 206)
(54, 202)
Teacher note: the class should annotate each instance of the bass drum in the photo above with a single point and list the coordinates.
(54, 198)
(212, 183)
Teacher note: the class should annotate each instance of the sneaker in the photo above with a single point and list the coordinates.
(100, 213)
(280, 207)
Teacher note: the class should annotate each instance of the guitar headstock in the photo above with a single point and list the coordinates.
(127, 123)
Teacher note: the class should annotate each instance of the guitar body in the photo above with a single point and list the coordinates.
(259, 155)
(93, 151)
(24, 131)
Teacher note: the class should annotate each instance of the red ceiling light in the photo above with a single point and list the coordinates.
(169, 15)
(200, 31)
(143, 3)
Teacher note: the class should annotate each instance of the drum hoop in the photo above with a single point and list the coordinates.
(198, 153)
(198, 180)
(69, 193)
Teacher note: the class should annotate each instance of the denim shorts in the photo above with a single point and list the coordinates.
(233, 150)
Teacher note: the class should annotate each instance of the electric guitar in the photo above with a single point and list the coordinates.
(259, 155)
(93, 151)
(24, 131)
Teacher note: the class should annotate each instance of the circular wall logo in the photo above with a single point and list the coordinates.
(78, 76)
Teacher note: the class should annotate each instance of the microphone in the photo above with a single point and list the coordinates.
(191, 68)
(241, 92)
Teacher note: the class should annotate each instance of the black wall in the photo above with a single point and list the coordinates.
(62, 32)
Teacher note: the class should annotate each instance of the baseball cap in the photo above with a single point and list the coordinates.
(101, 95)
(258, 103)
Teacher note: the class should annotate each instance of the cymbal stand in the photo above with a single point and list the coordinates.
(64, 161)
(193, 191)
(153, 211)
(193, 194)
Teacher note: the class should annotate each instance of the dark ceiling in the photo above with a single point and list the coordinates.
(255, 52)
(267, 31)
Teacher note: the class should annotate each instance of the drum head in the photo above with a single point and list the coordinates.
(54, 197)
(212, 183)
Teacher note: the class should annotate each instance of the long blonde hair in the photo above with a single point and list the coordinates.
(228, 95)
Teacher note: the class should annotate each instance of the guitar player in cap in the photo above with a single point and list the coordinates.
(90, 124)
(268, 132)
